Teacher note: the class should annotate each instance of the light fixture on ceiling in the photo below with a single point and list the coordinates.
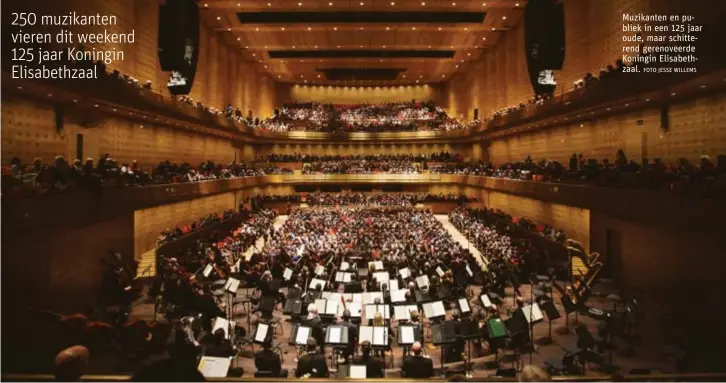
(466, 29)
(440, 28)
(457, 66)
(494, 29)
(443, 75)
(504, 17)
(318, 76)
(429, 46)
(238, 39)
(330, 4)
(516, 4)
(299, 4)
(338, 46)
(404, 76)
(265, 46)
(420, 76)
(206, 5)
(423, 3)
(316, 47)
(361, 3)
(268, 4)
(254, 54)
(229, 29)
(247, 46)
(483, 38)
(283, 28)
(265, 66)
(293, 47)
(388, 28)
(257, 29)
(335, 28)
(278, 76)
(416, 81)
(468, 54)
(301, 76)
(393, 3)
(219, 18)
(310, 29)
(361, 46)
(384, 47)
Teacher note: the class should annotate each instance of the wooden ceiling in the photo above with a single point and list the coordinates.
(467, 40)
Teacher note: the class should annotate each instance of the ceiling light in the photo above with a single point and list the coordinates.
(483, 38)
(483, 4)
(268, 4)
(420, 76)
(283, 28)
(439, 28)
(703, 86)
(316, 47)
(299, 4)
(647, 100)
(361, 46)
(361, 28)
(306, 81)
(413, 28)
(393, 3)
(516, 4)
(416, 81)
(318, 76)
(361, 3)
(238, 39)
(494, 29)
(310, 29)
(466, 29)
(429, 46)
(229, 29)
(278, 76)
(219, 18)
(254, 54)
(330, 4)
(301, 76)
(335, 28)
(443, 75)
(504, 17)
(380, 60)
(468, 54)
(673, 94)
(206, 5)
(338, 46)
(247, 46)
(384, 46)
(423, 3)
(257, 29)
(388, 28)
(265, 46)
(265, 66)
(457, 65)
(404, 76)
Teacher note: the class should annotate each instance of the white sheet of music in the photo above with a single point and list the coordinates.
(332, 307)
(401, 313)
(232, 285)
(357, 371)
(303, 333)
(439, 309)
(213, 367)
(380, 336)
(365, 333)
(344, 265)
(379, 264)
(334, 334)
(335, 297)
(339, 276)
(319, 270)
(320, 304)
(398, 296)
(287, 274)
(221, 323)
(405, 272)
(468, 270)
(434, 309)
(358, 298)
(392, 285)
(381, 276)
(439, 271)
(315, 281)
(407, 335)
(486, 301)
(326, 295)
(355, 309)
(207, 270)
(422, 281)
(532, 313)
(261, 332)
(347, 277)
(464, 305)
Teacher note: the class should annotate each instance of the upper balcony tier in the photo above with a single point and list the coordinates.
(617, 95)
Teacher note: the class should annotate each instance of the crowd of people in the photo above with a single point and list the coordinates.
(362, 167)
(390, 199)
(387, 117)
(443, 156)
(707, 177)
(21, 179)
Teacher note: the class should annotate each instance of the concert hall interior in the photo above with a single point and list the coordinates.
(352, 189)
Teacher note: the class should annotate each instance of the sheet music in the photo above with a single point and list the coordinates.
(261, 332)
(392, 285)
(315, 281)
(486, 301)
(398, 296)
(380, 336)
(468, 270)
(379, 265)
(405, 272)
(357, 371)
(439, 271)
(232, 285)
(287, 274)
(401, 313)
(332, 307)
(464, 305)
(344, 265)
(439, 309)
(326, 294)
(422, 281)
(319, 269)
(365, 333)
(303, 333)
(532, 313)
(335, 297)
(213, 367)
(358, 297)
(407, 335)
(221, 323)
(207, 270)
(434, 309)
(339, 276)
(347, 277)
(381, 276)
(334, 334)
(320, 304)
(355, 309)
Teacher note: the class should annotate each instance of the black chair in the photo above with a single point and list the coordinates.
(265, 374)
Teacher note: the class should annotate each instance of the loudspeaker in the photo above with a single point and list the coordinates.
(665, 117)
(178, 42)
(544, 38)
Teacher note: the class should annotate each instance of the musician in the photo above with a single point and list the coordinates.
(453, 351)
(417, 366)
(313, 321)
(220, 346)
(378, 321)
(312, 364)
(374, 366)
(268, 360)
(352, 334)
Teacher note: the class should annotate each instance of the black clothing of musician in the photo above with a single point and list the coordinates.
(220, 346)
(313, 364)
(352, 335)
(374, 366)
(417, 367)
(268, 360)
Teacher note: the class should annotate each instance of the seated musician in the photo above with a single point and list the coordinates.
(268, 360)
(220, 346)
(352, 334)
(378, 321)
(313, 321)
(312, 364)
(374, 366)
(417, 366)
(455, 350)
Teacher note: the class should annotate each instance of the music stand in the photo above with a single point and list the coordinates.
(497, 331)
(434, 310)
(261, 333)
(293, 307)
(469, 331)
(443, 334)
(549, 308)
(408, 335)
(422, 296)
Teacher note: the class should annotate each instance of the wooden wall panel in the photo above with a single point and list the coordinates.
(149, 223)
(696, 127)
(574, 221)
(29, 132)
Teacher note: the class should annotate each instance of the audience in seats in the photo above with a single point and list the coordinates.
(433, 157)
(401, 199)
(417, 366)
(170, 235)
